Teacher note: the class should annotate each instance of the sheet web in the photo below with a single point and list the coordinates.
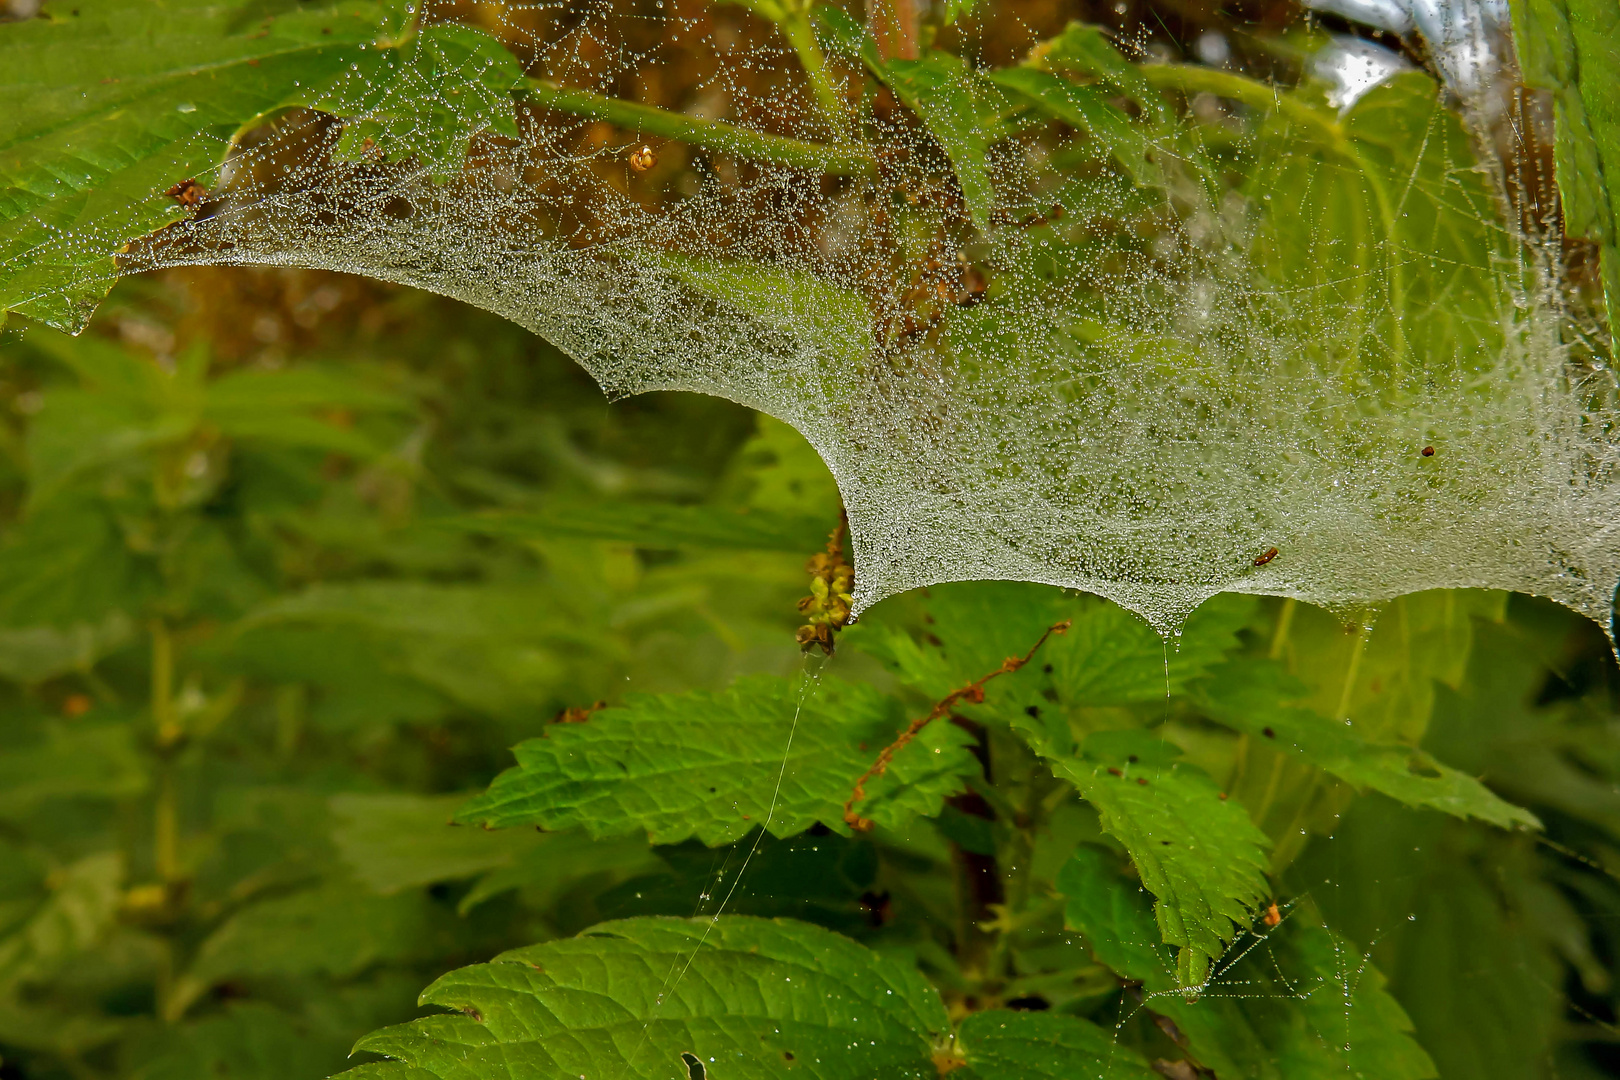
(1131, 343)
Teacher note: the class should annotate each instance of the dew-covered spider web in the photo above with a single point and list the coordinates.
(1275, 313)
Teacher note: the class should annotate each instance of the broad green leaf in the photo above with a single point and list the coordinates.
(1378, 214)
(728, 997)
(739, 996)
(79, 911)
(335, 930)
(67, 566)
(1440, 900)
(249, 1040)
(32, 654)
(654, 526)
(1385, 680)
(1295, 1004)
(70, 757)
(711, 766)
(1085, 108)
(1086, 50)
(426, 99)
(109, 104)
(1571, 48)
(1254, 697)
(395, 842)
(560, 862)
(1003, 1045)
(941, 89)
(1197, 853)
(494, 648)
(1106, 657)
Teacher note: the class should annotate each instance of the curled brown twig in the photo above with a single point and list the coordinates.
(973, 693)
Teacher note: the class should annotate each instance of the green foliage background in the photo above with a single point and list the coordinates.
(289, 564)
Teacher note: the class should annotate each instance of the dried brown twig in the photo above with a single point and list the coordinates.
(973, 693)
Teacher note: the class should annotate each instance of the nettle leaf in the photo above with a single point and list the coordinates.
(1037, 1045)
(1391, 190)
(1295, 1003)
(1087, 109)
(724, 997)
(32, 654)
(1108, 656)
(960, 108)
(1568, 47)
(110, 104)
(760, 998)
(1418, 643)
(1086, 50)
(394, 842)
(706, 765)
(1252, 696)
(81, 908)
(491, 647)
(651, 525)
(1197, 853)
(68, 567)
(425, 100)
(336, 930)
(68, 758)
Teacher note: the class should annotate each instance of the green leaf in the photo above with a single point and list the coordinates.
(1086, 50)
(1569, 47)
(653, 526)
(1087, 109)
(946, 93)
(67, 758)
(79, 911)
(727, 997)
(1003, 1045)
(33, 654)
(707, 765)
(491, 647)
(425, 100)
(1442, 899)
(740, 996)
(1108, 656)
(1389, 191)
(1296, 1004)
(335, 930)
(67, 567)
(249, 1040)
(109, 104)
(1252, 696)
(1197, 853)
(395, 842)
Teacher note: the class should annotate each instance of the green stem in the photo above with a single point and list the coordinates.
(164, 720)
(165, 811)
(1190, 78)
(799, 33)
(709, 134)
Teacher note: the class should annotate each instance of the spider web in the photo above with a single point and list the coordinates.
(1128, 374)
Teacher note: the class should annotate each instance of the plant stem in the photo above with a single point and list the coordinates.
(164, 721)
(710, 134)
(796, 28)
(165, 815)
